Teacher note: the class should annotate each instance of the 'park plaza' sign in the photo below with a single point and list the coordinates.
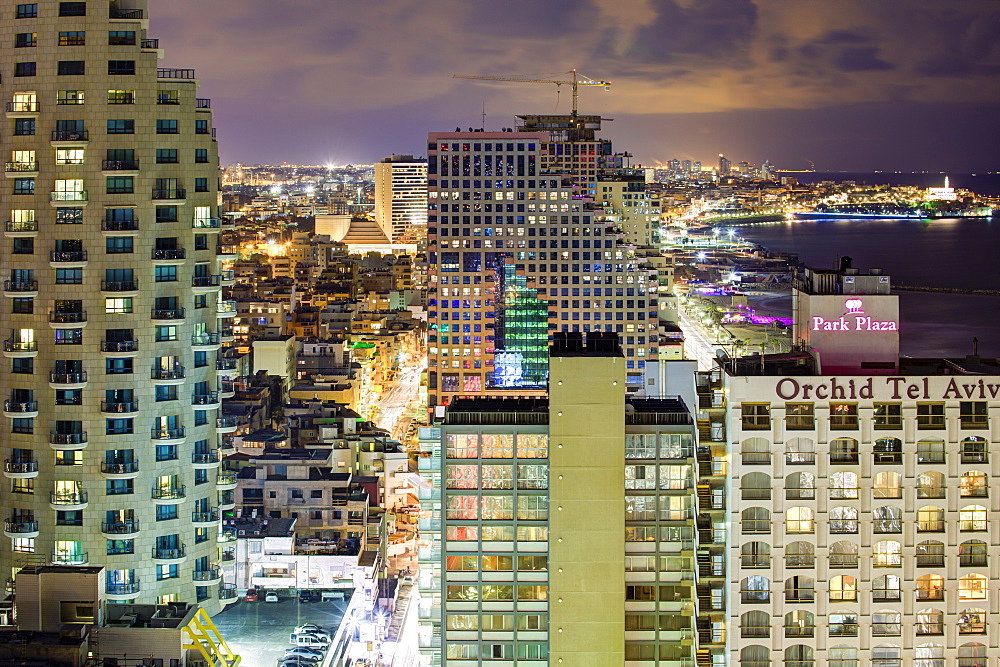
(854, 319)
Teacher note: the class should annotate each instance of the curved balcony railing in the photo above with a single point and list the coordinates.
(169, 492)
(120, 165)
(205, 517)
(20, 406)
(20, 346)
(20, 286)
(67, 317)
(120, 527)
(119, 346)
(68, 438)
(169, 255)
(206, 281)
(167, 314)
(207, 575)
(168, 374)
(166, 433)
(120, 468)
(122, 589)
(119, 406)
(120, 225)
(19, 526)
(119, 285)
(20, 467)
(68, 498)
(68, 378)
(205, 339)
(23, 226)
(205, 399)
(170, 553)
(227, 591)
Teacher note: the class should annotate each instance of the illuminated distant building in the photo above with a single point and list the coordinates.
(686, 166)
(518, 250)
(401, 199)
(947, 193)
(113, 285)
(725, 165)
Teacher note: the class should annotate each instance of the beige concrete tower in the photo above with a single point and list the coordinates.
(112, 288)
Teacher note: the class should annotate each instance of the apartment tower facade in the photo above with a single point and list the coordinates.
(401, 199)
(112, 290)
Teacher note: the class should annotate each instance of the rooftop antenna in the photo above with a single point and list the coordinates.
(483, 126)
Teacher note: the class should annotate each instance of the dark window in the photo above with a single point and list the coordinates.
(25, 39)
(121, 67)
(166, 512)
(23, 366)
(24, 126)
(120, 126)
(201, 185)
(166, 126)
(69, 337)
(166, 452)
(24, 186)
(21, 425)
(71, 68)
(117, 487)
(69, 397)
(121, 37)
(23, 247)
(72, 38)
(120, 547)
(201, 127)
(118, 366)
(24, 69)
(166, 274)
(119, 185)
(201, 241)
(166, 155)
(114, 245)
(69, 276)
(118, 426)
(200, 477)
(167, 393)
(166, 214)
(72, 9)
(28, 11)
(22, 306)
(74, 518)
(201, 155)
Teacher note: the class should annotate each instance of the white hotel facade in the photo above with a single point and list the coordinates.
(863, 519)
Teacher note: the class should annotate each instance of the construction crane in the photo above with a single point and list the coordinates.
(575, 82)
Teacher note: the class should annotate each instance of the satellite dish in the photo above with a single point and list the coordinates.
(721, 354)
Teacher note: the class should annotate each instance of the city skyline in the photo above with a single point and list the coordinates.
(852, 87)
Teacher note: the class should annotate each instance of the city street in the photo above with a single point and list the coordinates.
(397, 405)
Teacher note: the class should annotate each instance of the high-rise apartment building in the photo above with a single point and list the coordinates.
(862, 490)
(576, 529)
(401, 199)
(626, 202)
(517, 250)
(112, 289)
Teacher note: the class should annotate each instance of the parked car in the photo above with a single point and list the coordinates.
(251, 595)
(306, 596)
(330, 596)
(304, 652)
(310, 640)
(311, 627)
(271, 596)
(296, 662)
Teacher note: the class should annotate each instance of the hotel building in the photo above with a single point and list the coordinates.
(112, 289)
(401, 199)
(863, 505)
(518, 250)
(576, 529)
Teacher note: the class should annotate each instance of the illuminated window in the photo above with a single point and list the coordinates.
(800, 521)
(800, 486)
(843, 554)
(973, 484)
(887, 484)
(843, 416)
(930, 587)
(887, 553)
(973, 518)
(843, 485)
(800, 623)
(800, 555)
(973, 587)
(799, 417)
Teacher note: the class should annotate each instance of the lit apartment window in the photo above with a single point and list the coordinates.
(72, 38)
(755, 555)
(843, 416)
(973, 450)
(799, 417)
(887, 451)
(843, 451)
(973, 414)
(930, 450)
(756, 416)
(930, 416)
(800, 623)
(755, 451)
(121, 97)
(888, 416)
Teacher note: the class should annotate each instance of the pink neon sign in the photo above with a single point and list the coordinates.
(854, 319)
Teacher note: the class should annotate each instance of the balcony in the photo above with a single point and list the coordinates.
(169, 495)
(18, 349)
(67, 441)
(22, 109)
(68, 380)
(161, 376)
(226, 481)
(149, 43)
(71, 137)
(202, 518)
(169, 555)
(206, 224)
(127, 470)
(117, 409)
(228, 593)
(212, 575)
(227, 366)
(20, 469)
(119, 167)
(119, 348)
(169, 194)
(206, 284)
(68, 501)
(167, 435)
(119, 227)
(166, 316)
(22, 229)
(226, 334)
(226, 424)
(226, 309)
(169, 73)
(210, 401)
(226, 536)
(19, 528)
(62, 558)
(227, 501)
(117, 591)
(62, 259)
(20, 288)
(118, 530)
(172, 256)
(20, 409)
(67, 320)
(126, 14)
(206, 460)
(120, 287)
(228, 277)
(227, 251)
(205, 342)
(18, 169)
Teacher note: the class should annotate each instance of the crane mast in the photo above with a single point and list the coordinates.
(574, 82)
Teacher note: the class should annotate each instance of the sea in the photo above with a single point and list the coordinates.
(986, 184)
(960, 253)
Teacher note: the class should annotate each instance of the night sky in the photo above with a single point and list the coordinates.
(846, 84)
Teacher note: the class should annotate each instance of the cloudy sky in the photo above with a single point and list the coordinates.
(845, 84)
